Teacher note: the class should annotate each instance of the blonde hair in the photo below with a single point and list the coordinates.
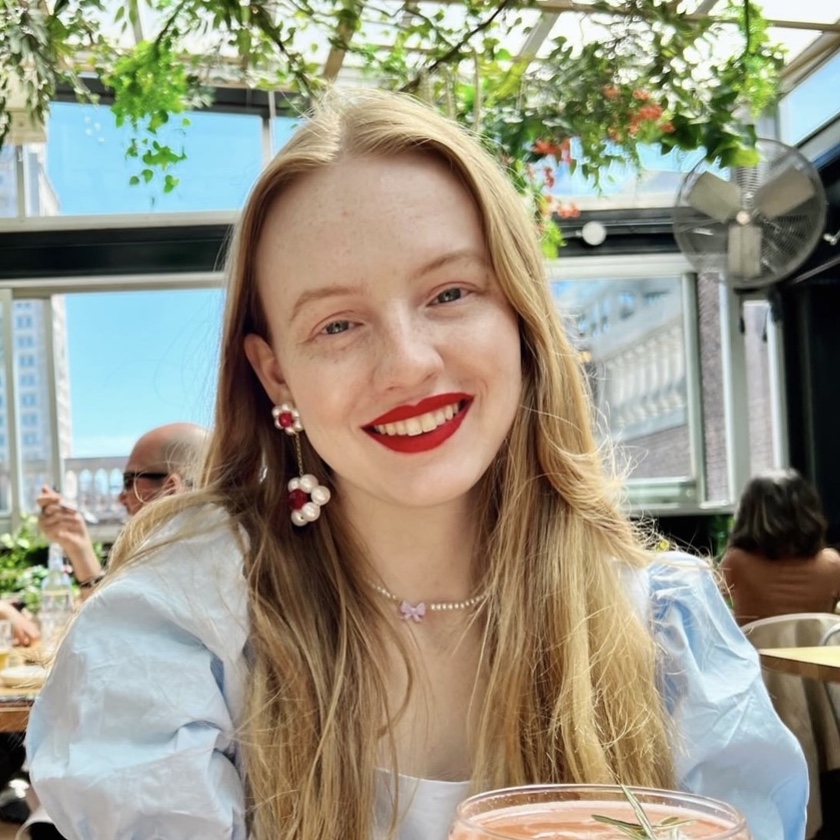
(572, 692)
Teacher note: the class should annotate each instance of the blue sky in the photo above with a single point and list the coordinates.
(140, 359)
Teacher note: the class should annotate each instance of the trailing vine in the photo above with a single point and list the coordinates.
(648, 73)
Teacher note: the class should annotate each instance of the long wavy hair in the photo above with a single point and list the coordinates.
(779, 516)
(568, 662)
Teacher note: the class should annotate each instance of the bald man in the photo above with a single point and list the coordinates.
(165, 460)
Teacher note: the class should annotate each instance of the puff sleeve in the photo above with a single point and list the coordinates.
(729, 742)
(133, 735)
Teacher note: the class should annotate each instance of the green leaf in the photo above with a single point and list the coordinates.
(641, 816)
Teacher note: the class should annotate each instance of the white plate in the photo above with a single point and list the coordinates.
(23, 676)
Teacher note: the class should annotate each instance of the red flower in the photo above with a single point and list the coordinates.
(650, 112)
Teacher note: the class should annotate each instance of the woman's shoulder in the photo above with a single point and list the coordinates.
(735, 558)
(188, 583)
(831, 558)
(668, 569)
(670, 577)
(193, 562)
(201, 532)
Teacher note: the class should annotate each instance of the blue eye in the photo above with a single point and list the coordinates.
(449, 295)
(336, 327)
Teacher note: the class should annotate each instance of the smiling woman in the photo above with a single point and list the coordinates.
(422, 318)
(455, 602)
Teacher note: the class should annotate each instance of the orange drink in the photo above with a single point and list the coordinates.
(585, 812)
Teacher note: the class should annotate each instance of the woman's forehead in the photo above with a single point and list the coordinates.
(351, 221)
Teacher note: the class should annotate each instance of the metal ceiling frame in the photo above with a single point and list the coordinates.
(812, 56)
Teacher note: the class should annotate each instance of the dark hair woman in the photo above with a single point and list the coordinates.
(777, 561)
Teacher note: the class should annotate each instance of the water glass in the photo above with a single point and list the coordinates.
(6, 642)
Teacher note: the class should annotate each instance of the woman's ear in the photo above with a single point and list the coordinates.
(266, 367)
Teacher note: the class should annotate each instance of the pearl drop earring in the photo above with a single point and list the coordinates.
(306, 494)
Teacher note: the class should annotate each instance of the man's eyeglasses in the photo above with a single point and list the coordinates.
(130, 478)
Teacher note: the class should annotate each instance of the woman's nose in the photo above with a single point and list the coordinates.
(408, 355)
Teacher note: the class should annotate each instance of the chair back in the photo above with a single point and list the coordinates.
(832, 637)
(803, 704)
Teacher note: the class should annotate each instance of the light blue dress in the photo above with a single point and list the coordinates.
(133, 735)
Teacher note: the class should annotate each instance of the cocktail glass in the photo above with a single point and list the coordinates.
(568, 812)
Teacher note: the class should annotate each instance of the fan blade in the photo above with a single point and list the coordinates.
(744, 258)
(786, 191)
(715, 197)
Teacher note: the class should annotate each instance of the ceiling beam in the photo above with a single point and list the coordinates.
(537, 36)
(809, 59)
(618, 11)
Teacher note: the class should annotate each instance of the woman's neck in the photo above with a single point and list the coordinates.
(420, 554)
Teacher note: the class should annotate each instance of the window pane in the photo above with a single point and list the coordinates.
(759, 386)
(809, 105)
(283, 128)
(136, 360)
(631, 336)
(8, 182)
(30, 346)
(5, 488)
(87, 168)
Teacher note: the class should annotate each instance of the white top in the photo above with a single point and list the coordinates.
(133, 735)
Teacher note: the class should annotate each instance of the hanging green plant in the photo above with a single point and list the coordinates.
(649, 74)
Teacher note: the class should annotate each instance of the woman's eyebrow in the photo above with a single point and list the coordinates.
(321, 293)
(469, 255)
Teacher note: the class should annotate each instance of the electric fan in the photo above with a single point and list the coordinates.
(751, 225)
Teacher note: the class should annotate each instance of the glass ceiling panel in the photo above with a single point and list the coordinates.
(382, 21)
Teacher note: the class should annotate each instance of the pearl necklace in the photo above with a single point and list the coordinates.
(417, 612)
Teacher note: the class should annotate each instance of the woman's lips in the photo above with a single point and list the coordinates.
(430, 404)
(403, 434)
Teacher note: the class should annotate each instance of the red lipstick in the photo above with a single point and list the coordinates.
(426, 440)
(406, 412)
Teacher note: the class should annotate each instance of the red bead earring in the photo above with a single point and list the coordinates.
(306, 494)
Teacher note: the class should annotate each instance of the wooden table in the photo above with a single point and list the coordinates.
(16, 702)
(14, 708)
(818, 663)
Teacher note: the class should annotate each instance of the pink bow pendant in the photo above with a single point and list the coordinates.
(412, 612)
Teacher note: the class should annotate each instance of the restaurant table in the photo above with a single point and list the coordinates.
(818, 663)
(16, 701)
(15, 704)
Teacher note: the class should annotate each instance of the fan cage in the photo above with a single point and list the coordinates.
(786, 241)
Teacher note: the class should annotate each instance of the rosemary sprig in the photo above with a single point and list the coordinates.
(644, 829)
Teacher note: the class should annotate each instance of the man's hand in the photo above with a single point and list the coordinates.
(61, 522)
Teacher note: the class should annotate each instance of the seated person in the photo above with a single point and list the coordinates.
(162, 462)
(12, 753)
(777, 561)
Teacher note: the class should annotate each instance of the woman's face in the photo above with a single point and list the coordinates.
(390, 333)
